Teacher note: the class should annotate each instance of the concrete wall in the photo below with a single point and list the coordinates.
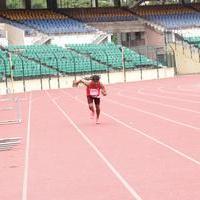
(73, 39)
(15, 35)
(66, 82)
(153, 37)
(4, 39)
(187, 60)
(120, 27)
(30, 40)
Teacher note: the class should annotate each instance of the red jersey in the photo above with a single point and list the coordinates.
(93, 89)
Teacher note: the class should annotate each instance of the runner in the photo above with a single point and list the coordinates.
(94, 86)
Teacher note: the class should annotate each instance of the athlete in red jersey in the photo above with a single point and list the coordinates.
(93, 94)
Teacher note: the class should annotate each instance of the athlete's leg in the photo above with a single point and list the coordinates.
(97, 105)
(90, 104)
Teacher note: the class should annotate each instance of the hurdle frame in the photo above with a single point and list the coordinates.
(9, 143)
(16, 108)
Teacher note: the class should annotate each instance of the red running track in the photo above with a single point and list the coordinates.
(146, 147)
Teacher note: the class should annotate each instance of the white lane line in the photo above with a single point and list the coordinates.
(26, 164)
(140, 91)
(153, 139)
(193, 89)
(141, 132)
(155, 115)
(161, 89)
(98, 152)
(157, 103)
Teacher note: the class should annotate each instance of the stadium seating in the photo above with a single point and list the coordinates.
(35, 60)
(100, 14)
(46, 21)
(173, 21)
(171, 16)
(56, 26)
(112, 55)
(193, 40)
(196, 6)
(163, 10)
(28, 31)
(49, 60)
(22, 67)
(31, 14)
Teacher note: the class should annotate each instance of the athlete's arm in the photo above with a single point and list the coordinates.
(86, 83)
(103, 90)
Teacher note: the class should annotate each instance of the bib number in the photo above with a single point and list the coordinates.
(94, 92)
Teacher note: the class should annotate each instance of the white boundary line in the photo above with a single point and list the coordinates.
(26, 164)
(140, 91)
(98, 152)
(142, 133)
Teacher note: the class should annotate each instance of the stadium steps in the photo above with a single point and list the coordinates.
(44, 39)
(100, 38)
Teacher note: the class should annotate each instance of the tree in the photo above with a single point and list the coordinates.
(14, 4)
(39, 3)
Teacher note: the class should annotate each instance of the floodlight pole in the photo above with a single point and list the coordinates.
(123, 63)
(11, 70)
(5, 71)
(57, 67)
(41, 78)
(23, 78)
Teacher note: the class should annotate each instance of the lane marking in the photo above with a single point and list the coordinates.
(181, 154)
(193, 89)
(157, 103)
(163, 90)
(98, 152)
(26, 164)
(155, 115)
(140, 91)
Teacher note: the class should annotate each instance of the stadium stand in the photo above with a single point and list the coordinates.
(108, 14)
(193, 40)
(27, 30)
(46, 21)
(35, 60)
(196, 6)
(111, 54)
(31, 14)
(171, 16)
(189, 35)
(22, 66)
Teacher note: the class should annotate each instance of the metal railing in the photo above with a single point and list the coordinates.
(63, 77)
